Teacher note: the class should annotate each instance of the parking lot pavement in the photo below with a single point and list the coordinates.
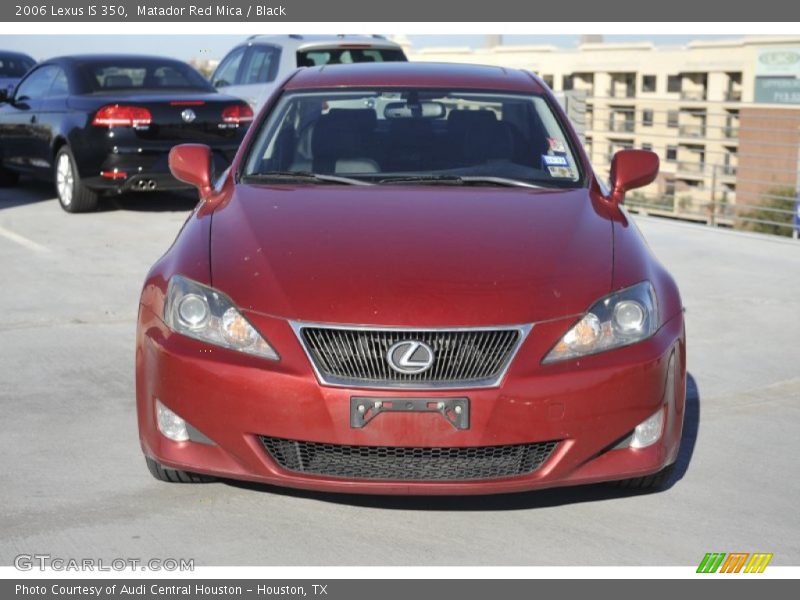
(75, 485)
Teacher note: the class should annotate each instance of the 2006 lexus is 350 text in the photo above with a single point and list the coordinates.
(410, 281)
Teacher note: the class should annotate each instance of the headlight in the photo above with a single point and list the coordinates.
(203, 313)
(619, 319)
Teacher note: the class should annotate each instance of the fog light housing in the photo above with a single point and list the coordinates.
(170, 424)
(649, 431)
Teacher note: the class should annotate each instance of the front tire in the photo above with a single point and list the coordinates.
(648, 482)
(73, 195)
(163, 473)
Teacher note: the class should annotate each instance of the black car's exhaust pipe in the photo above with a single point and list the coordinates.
(146, 185)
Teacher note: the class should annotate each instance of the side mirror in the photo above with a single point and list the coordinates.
(191, 163)
(3, 95)
(631, 169)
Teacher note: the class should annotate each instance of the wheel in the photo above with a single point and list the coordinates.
(8, 178)
(163, 473)
(647, 482)
(73, 196)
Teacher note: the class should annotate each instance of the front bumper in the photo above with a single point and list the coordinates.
(587, 405)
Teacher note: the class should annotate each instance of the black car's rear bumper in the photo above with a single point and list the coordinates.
(146, 171)
(123, 163)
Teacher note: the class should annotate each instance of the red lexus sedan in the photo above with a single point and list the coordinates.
(411, 281)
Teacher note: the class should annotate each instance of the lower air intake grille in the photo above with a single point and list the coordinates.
(408, 464)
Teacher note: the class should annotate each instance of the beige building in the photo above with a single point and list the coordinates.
(723, 115)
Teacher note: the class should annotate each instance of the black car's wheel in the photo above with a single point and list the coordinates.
(8, 178)
(163, 473)
(648, 482)
(73, 195)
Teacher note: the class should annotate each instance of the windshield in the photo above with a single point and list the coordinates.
(343, 55)
(400, 136)
(14, 66)
(142, 75)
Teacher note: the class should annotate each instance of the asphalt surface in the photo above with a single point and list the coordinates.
(74, 483)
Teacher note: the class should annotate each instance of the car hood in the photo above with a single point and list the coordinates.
(411, 256)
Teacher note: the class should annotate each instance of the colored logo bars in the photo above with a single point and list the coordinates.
(735, 562)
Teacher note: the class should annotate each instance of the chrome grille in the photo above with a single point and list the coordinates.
(462, 357)
(408, 464)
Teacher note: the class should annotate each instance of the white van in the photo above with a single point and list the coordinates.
(252, 69)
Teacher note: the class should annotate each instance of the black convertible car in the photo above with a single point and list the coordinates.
(105, 124)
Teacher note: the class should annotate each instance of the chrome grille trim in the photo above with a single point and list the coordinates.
(457, 364)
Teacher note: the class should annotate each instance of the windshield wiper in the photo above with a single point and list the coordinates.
(461, 180)
(303, 176)
(500, 181)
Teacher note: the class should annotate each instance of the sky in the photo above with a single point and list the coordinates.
(185, 47)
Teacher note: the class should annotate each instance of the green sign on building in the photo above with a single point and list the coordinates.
(778, 76)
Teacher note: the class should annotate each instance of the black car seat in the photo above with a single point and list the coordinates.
(488, 141)
(459, 123)
(343, 142)
(117, 81)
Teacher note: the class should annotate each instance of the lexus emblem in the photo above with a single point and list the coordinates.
(188, 115)
(410, 357)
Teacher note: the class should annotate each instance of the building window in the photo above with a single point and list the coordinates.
(733, 93)
(691, 183)
(647, 117)
(548, 80)
(669, 188)
(648, 83)
(672, 118)
(566, 83)
(674, 83)
(647, 147)
(672, 153)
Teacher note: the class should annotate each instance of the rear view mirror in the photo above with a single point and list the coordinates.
(404, 110)
(191, 163)
(631, 169)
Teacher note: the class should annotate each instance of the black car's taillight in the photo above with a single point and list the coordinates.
(119, 115)
(236, 114)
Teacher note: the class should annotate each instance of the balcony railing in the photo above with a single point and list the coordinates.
(730, 131)
(621, 126)
(727, 170)
(685, 166)
(733, 95)
(627, 92)
(693, 94)
(695, 131)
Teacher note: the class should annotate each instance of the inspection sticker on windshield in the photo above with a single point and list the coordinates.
(556, 145)
(560, 172)
(555, 160)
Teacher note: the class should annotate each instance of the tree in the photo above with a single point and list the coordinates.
(774, 214)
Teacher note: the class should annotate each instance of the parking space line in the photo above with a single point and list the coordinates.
(22, 240)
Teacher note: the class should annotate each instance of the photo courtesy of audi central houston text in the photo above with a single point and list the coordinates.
(411, 281)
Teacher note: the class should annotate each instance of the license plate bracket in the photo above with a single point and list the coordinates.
(363, 409)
